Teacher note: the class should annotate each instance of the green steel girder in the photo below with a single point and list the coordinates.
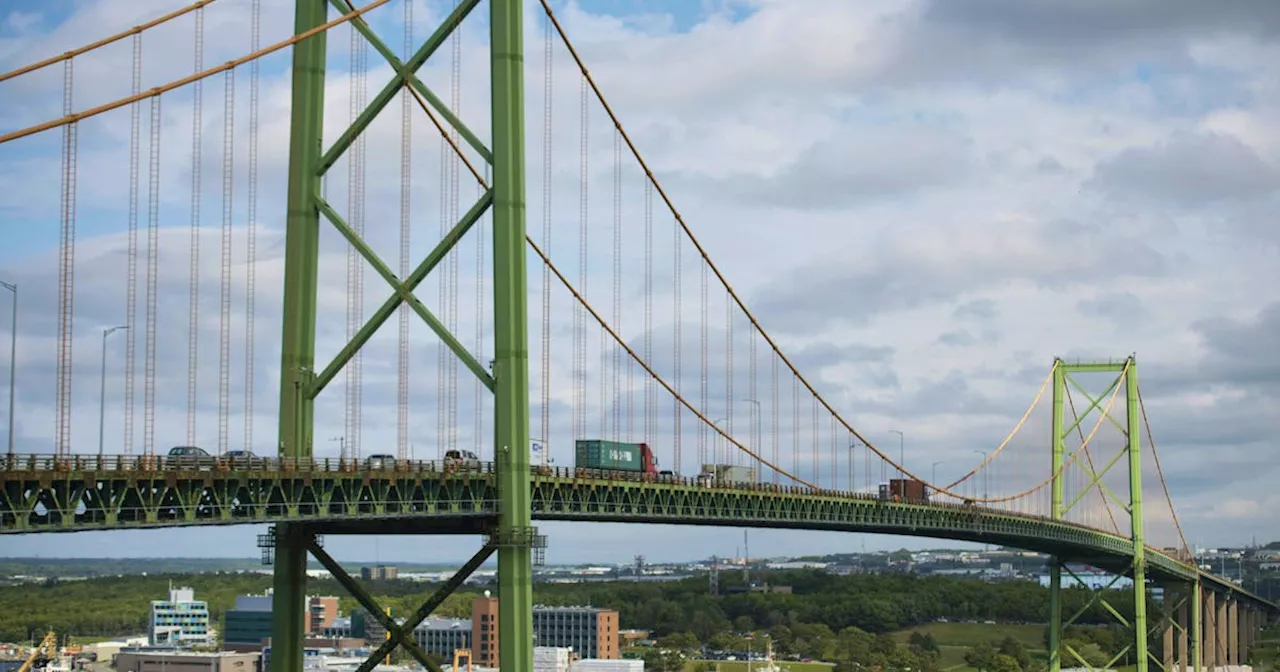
(325, 495)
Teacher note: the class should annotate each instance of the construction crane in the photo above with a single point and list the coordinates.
(42, 654)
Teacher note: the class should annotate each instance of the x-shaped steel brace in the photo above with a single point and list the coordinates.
(398, 635)
(405, 74)
(403, 293)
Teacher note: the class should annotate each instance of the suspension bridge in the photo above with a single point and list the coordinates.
(662, 350)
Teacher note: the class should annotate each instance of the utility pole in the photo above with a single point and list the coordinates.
(13, 358)
(102, 393)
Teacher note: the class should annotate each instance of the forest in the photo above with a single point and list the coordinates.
(872, 603)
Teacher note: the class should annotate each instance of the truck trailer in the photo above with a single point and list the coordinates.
(601, 455)
(905, 490)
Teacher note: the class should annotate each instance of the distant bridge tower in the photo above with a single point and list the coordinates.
(639, 565)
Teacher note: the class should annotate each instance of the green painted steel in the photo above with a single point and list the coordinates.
(302, 249)
(39, 495)
(302, 233)
(1133, 419)
(1056, 513)
(608, 455)
(515, 534)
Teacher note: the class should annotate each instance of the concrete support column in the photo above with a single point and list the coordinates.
(1210, 630)
(1184, 626)
(1167, 644)
(1220, 635)
(1245, 615)
(1233, 632)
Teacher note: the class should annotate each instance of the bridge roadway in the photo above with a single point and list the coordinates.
(43, 494)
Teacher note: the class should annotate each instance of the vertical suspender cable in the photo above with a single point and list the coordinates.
(814, 439)
(362, 145)
(579, 313)
(736, 457)
(353, 215)
(702, 402)
(193, 316)
(773, 405)
(479, 391)
(616, 372)
(649, 391)
(835, 457)
(548, 95)
(406, 165)
(455, 91)
(153, 258)
(753, 407)
(251, 226)
(795, 424)
(442, 351)
(131, 293)
(677, 320)
(66, 268)
(224, 302)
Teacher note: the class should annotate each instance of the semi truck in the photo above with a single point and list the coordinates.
(905, 490)
(728, 473)
(601, 455)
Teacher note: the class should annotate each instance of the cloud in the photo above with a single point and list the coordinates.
(1188, 170)
(924, 202)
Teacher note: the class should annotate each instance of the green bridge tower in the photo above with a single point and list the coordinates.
(510, 534)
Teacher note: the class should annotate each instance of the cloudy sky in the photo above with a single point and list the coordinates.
(923, 201)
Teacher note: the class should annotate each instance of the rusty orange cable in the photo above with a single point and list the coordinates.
(106, 40)
(177, 83)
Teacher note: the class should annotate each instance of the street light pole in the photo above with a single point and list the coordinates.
(715, 456)
(13, 358)
(933, 475)
(102, 393)
(983, 453)
(755, 440)
(902, 461)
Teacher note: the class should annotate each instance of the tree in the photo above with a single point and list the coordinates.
(1014, 649)
(980, 657)
(1004, 663)
(680, 641)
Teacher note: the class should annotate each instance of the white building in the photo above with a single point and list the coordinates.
(181, 620)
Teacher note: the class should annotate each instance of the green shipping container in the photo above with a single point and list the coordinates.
(608, 455)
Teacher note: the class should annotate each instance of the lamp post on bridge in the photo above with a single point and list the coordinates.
(902, 461)
(102, 392)
(715, 450)
(983, 453)
(13, 358)
(342, 446)
(933, 475)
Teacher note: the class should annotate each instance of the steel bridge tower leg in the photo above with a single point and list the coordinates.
(511, 338)
(298, 339)
(288, 603)
(1055, 566)
(1134, 429)
(302, 233)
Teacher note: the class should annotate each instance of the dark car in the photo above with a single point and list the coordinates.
(380, 462)
(190, 457)
(243, 459)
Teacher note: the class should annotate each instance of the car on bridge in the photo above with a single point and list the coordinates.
(190, 457)
(244, 459)
(461, 460)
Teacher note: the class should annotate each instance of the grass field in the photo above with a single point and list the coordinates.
(954, 639)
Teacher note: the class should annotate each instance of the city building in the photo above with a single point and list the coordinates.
(443, 636)
(591, 632)
(181, 620)
(322, 612)
(378, 573)
(136, 660)
(248, 624)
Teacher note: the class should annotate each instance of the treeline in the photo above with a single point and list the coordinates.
(874, 604)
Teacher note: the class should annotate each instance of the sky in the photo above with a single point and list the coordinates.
(924, 202)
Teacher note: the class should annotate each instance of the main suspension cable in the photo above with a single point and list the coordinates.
(709, 264)
(135, 31)
(1164, 485)
(70, 118)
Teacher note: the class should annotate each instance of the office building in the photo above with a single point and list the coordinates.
(378, 573)
(442, 636)
(589, 631)
(322, 612)
(182, 620)
(248, 624)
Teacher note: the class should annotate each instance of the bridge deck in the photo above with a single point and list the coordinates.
(39, 494)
